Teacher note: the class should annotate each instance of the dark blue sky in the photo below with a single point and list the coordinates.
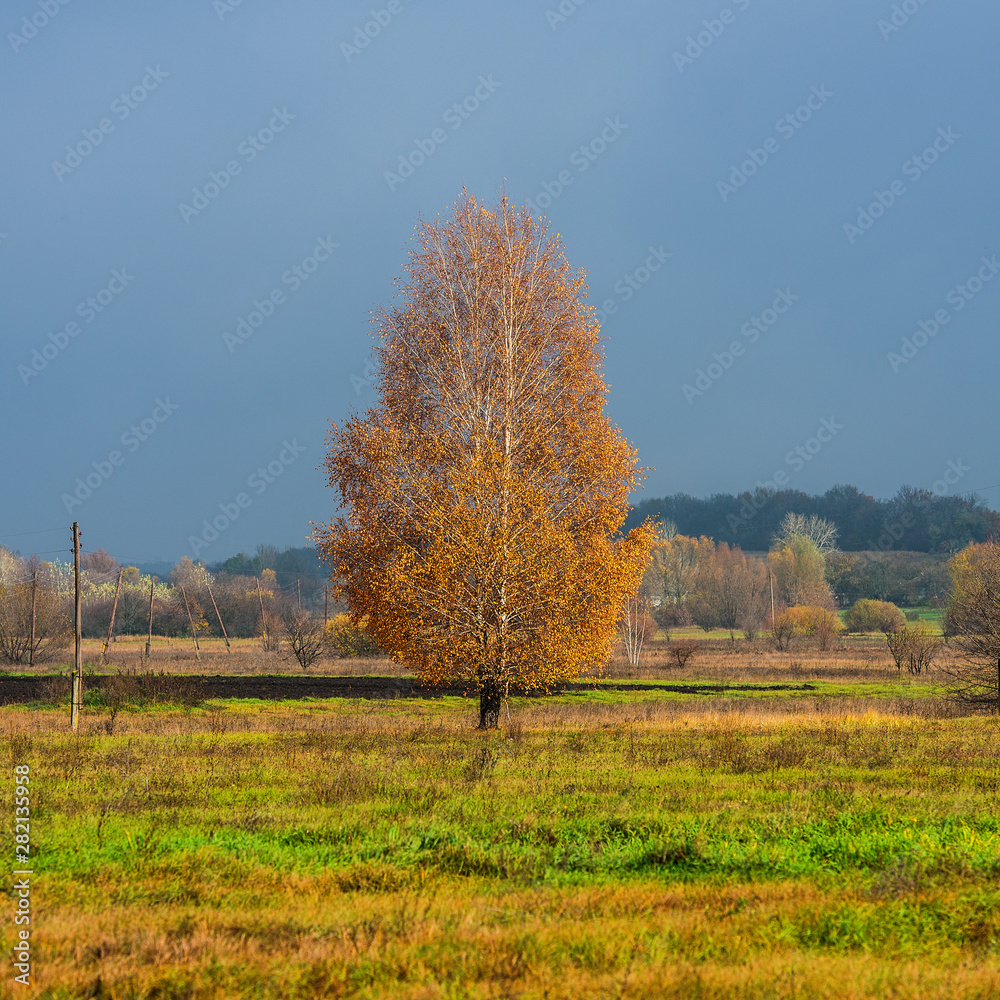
(787, 211)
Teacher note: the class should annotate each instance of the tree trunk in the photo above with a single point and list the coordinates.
(490, 701)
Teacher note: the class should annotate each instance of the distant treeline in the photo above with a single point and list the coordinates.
(915, 520)
(290, 565)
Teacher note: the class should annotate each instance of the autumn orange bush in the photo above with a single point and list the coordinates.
(808, 621)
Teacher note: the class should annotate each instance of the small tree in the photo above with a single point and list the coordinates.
(730, 592)
(304, 635)
(674, 565)
(799, 569)
(821, 532)
(34, 626)
(913, 646)
(635, 627)
(973, 619)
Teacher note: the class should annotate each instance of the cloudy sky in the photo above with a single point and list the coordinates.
(787, 211)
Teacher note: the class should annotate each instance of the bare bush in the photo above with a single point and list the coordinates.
(914, 647)
(685, 650)
(304, 634)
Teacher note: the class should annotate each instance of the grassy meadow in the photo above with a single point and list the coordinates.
(803, 824)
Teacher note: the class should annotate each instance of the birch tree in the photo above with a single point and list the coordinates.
(482, 495)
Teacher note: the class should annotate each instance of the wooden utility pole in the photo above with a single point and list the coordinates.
(217, 615)
(263, 620)
(34, 589)
(298, 587)
(76, 698)
(111, 624)
(149, 635)
(194, 635)
(326, 605)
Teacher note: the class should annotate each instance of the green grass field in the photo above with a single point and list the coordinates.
(835, 841)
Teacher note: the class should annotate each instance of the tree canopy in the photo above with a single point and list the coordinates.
(484, 493)
(973, 619)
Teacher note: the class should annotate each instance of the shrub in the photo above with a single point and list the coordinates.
(806, 620)
(347, 640)
(867, 615)
(913, 646)
(685, 650)
(817, 623)
(784, 628)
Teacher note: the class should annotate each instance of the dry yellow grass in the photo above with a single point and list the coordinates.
(196, 873)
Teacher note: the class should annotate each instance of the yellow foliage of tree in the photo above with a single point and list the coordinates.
(973, 618)
(817, 622)
(799, 570)
(347, 639)
(483, 495)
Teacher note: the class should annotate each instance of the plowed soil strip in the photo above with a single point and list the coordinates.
(291, 687)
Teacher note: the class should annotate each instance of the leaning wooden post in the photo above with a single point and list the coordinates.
(149, 635)
(263, 620)
(194, 635)
(76, 698)
(31, 640)
(111, 624)
(217, 615)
